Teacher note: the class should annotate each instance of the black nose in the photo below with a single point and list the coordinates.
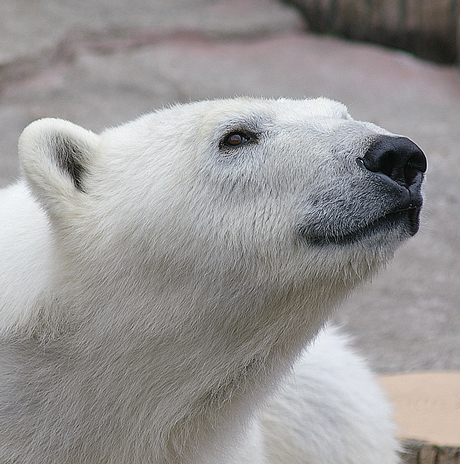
(397, 158)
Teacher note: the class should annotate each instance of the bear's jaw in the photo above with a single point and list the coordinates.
(403, 223)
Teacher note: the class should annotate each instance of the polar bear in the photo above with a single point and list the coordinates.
(160, 282)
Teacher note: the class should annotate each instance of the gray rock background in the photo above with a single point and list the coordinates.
(100, 63)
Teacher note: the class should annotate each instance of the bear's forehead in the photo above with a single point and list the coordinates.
(279, 109)
(213, 118)
(222, 115)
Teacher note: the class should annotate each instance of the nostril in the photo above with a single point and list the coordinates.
(397, 158)
(415, 164)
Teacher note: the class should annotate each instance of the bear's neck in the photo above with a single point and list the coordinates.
(186, 384)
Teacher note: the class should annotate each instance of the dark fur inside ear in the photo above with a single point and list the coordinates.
(69, 158)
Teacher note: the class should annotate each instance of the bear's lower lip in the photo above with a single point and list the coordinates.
(407, 218)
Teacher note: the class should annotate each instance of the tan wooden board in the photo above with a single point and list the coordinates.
(427, 406)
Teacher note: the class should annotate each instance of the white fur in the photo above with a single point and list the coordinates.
(156, 290)
(331, 410)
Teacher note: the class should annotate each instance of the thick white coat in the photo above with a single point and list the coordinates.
(157, 289)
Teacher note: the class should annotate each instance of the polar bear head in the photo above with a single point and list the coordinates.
(264, 209)
(188, 257)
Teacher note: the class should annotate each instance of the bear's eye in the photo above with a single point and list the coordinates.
(236, 139)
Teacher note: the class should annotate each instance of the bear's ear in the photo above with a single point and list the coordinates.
(55, 156)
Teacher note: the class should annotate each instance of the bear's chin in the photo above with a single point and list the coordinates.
(397, 225)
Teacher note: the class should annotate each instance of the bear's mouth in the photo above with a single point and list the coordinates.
(407, 219)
